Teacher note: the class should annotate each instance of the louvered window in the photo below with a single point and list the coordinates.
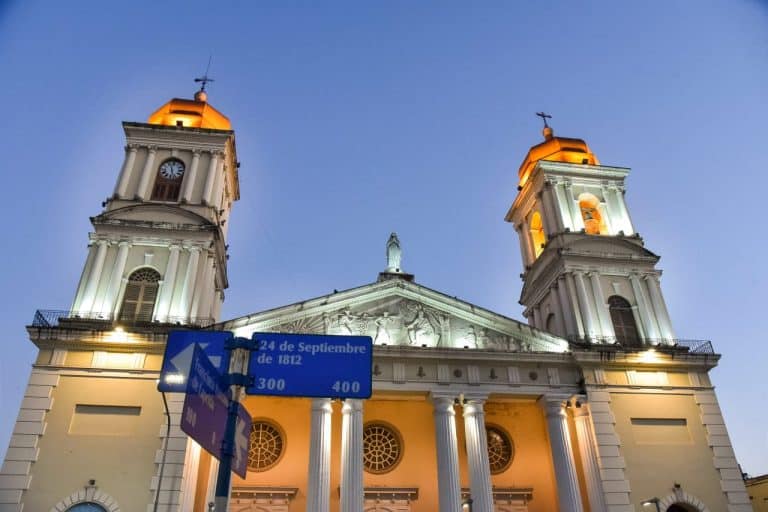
(140, 295)
(623, 319)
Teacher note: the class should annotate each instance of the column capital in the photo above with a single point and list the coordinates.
(553, 405)
(196, 152)
(442, 396)
(174, 247)
(152, 149)
(131, 148)
(351, 405)
(322, 404)
(124, 243)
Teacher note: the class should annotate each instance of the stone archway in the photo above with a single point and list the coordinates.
(683, 500)
(88, 494)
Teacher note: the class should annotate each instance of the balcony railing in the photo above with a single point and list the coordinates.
(676, 345)
(57, 318)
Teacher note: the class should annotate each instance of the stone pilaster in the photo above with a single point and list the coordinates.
(588, 452)
(146, 174)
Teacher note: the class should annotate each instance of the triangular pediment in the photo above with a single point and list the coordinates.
(401, 313)
(152, 213)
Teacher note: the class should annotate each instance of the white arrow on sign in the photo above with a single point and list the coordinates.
(241, 441)
(183, 360)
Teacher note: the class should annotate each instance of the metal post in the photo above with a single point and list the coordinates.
(165, 451)
(240, 351)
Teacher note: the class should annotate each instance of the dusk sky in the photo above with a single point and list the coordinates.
(356, 119)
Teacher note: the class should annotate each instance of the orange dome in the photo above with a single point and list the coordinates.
(190, 114)
(556, 149)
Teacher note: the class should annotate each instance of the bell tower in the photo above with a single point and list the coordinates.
(588, 276)
(158, 249)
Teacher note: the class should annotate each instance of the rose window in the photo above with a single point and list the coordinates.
(501, 451)
(382, 448)
(266, 446)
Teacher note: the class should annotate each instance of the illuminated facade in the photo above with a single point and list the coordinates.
(592, 406)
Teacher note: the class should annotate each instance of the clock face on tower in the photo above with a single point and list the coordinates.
(172, 169)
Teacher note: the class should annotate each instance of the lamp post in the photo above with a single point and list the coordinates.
(466, 505)
(654, 501)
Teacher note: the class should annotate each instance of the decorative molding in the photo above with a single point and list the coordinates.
(89, 494)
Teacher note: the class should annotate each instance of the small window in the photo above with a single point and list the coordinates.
(590, 212)
(140, 296)
(538, 237)
(623, 319)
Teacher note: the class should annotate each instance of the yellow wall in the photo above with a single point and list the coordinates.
(122, 465)
(758, 492)
(412, 416)
(657, 460)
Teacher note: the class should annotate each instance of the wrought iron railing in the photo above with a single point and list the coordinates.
(689, 346)
(58, 318)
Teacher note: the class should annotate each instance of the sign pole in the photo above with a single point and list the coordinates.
(237, 377)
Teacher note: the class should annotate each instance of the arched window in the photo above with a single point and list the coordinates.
(168, 180)
(623, 319)
(86, 507)
(590, 212)
(140, 295)
(538, 237)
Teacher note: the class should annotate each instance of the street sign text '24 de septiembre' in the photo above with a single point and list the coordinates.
(311, 365)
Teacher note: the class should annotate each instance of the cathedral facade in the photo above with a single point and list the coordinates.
(591, 405)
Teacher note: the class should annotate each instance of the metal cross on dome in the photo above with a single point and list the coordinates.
(205, 78)
(544, 117)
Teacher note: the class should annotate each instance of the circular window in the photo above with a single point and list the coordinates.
(382, 448)
(501, 450)
(266, 447)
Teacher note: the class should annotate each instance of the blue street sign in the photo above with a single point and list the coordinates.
(204, 416)
(242, 441)
(178, 355)
(311, 365)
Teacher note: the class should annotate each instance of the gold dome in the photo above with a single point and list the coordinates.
(556, 149)
(196, 113)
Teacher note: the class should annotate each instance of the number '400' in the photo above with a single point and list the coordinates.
(345, 386)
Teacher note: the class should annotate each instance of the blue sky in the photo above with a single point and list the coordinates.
(357, 119)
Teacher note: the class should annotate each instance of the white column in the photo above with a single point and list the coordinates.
(643, 308)
(352, 456)
(89, 296)
(190, 177)
(126, 170)
(568, 493)
(210, 177)
(588, 314)
(578, 220)
(558, 310)
(190, 278)
(570, 288)
(481, 491)
(202, 289)
(169, 283)
(218, 189)
(536, 317)
(547, 217)
(447, 453)
(319, 479)
(571, 329)
(550, 197)
(110, 299)
(206, 304)
(660, 307)
(588, 451)
(146, 174)
(189, 485)
(566, 211)
(622, 206)
(526, 243)
(606, 325)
